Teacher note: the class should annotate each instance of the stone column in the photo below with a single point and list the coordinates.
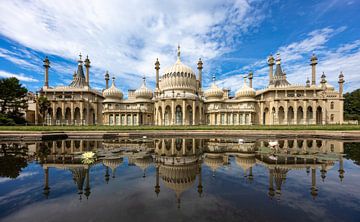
(295, 113)
(88, 113)
(324, 111)
(305, 113)
(163, 112)
(54, 113)
(261, 114)
(62, 112)
(184, 112)
(200, 114)
(72, 113)
(286, 112)
(194, 112)
(172, 112)
(81, 112)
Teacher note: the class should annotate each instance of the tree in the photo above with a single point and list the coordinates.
(352, 151)
(44, 105)
(352, 105)
(12, 99)
(12, 159)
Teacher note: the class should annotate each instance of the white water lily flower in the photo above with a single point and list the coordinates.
(88, 155)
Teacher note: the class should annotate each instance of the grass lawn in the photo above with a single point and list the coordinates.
(202, 127)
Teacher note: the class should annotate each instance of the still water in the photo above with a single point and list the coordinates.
(180, 179)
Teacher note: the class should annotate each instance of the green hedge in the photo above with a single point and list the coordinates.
(202, 127)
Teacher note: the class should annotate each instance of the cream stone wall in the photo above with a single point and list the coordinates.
(179, 99)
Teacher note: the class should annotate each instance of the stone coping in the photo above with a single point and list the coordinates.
(51, 135)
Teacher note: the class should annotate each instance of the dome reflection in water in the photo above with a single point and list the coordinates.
(154, 179)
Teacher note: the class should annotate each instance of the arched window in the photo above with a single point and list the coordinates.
(332, 117)
(332, 105)
(178, 115)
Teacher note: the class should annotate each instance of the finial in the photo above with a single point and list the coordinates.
(80, 56)
(213, 78)
(178, 52)
(278, 58)
(245, 77)
(144, 80)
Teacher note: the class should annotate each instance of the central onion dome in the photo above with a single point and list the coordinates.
(112, 94)
(143, 92)
(245, 91)
(214, 92)
(178, 77)
(179, 177)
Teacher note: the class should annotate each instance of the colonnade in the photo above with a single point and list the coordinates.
(178, 113)
(241, 118)
(294, 113)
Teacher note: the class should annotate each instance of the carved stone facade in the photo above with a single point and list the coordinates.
(179, 99)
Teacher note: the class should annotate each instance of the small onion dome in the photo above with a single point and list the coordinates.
(214, 161)
(245, 91)
(112, 93)
(112, 162)
(143, 92)
(214, 92)
(143, 162)
(245, 161)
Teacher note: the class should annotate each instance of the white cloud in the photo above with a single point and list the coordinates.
(125, 37)
(296, 58)
(20, 76)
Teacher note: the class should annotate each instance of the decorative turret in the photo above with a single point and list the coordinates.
(87, 66)
(214, 92)
(341, 84)
(107, 78)
(313, 63)
(271, 63)
(79, 81)
(46, 66)
(250, 77)
(200, 67)
(157, 68)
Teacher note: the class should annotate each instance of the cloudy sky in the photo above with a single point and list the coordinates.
(232, 37)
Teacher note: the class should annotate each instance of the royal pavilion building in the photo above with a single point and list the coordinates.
(180, 99)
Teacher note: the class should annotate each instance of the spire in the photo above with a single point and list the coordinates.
(144, 80)
(79, 81)
(113, 81)
(213, 78)
(80, 56)
(178, 53)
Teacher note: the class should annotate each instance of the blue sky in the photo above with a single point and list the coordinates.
(231, 37)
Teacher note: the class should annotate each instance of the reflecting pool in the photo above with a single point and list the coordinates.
(180, 179)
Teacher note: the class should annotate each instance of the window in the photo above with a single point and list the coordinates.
(332, 117)
(332, 105)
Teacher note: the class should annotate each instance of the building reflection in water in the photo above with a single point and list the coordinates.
(179, 162)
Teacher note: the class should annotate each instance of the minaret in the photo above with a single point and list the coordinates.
(341, 84)
(314, 190)
(107, 78)
(200, 186)
(313, 63)
(341, 169)
(87, 66)
(107, 175)
(46, 66)
(157, 68)
(200, 67)
(157, 186)
(271, 63)
(271, 183)
(46, 185)
(250, 77)
(323, 80)
(87, 187)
